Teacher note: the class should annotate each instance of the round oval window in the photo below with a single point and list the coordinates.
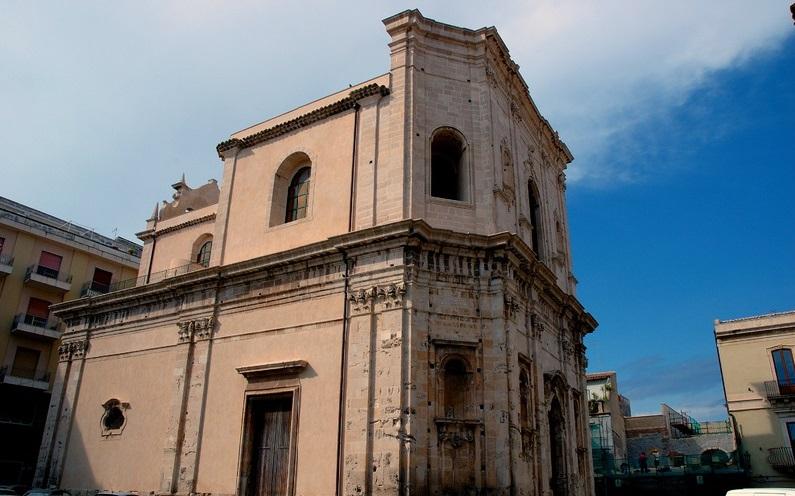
(114, 418)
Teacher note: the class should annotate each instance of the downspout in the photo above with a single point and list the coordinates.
(228, 207)
(354, 153)
(345, 312)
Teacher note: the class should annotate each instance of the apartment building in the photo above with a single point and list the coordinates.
(43, 260)
(756, 357)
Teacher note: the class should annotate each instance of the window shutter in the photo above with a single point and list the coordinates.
(39, 308)
(50, 260)
(102, 276)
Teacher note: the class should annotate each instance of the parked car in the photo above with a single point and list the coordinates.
(762, 491)
(48, 492)
(116, 493)
(17, 489)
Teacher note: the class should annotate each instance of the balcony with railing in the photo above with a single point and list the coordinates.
(35, 327)
(25, 377)
(781, 459)
(6, 265)
(782, 391)
(49, 279)
(94, 289)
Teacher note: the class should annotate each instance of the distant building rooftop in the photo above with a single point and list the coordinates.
(122, 249)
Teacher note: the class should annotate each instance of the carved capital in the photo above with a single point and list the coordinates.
(72, 350)
(388, 295)
(195, 330)
(456, 438)
(511, 307)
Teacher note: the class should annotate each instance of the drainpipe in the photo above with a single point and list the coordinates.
(228, 207)
(345, 316)
(343, 374)
(354, 152)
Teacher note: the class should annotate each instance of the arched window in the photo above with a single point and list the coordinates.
(456, 388)
(535, 216)
(785, 370)
(448, 165)
(203, 255)
(298, 195)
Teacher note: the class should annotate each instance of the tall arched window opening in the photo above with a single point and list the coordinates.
(524, 410)
(785, 370)
(298, 195)
(203, 255)
(448, 165)
(535, 216)
(456, 388)
(557, 446)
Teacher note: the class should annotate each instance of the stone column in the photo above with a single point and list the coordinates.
(180, 451)
(58, 390)
(373, 395)
(59, 416)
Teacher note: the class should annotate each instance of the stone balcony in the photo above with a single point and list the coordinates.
(35, 327)
(6, 265)
(25, 378)
(48, 279)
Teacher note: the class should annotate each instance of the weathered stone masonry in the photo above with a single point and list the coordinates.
(415, 300)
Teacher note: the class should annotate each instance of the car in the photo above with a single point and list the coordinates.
(762, 491)
(47, 492)
(15, 489)
(116, 493)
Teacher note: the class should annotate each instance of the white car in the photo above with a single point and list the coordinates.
(766, 491)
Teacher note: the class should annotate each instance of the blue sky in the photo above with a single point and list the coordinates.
(681, 118)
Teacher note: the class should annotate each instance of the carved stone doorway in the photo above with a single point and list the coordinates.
(266, 457)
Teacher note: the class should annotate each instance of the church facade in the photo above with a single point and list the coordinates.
(378, 299)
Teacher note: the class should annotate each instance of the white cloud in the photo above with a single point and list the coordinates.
(599, 69)
(141, 91)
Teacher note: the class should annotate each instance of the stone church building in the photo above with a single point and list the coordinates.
(377, 299)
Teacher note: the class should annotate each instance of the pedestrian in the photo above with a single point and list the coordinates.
(642, 460)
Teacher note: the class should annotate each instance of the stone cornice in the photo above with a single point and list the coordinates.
(144, 235)
(290, 368)
(417, 233)
(303, 120)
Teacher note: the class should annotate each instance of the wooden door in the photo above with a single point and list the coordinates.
(269, 469)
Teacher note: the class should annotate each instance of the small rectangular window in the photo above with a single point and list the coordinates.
(38, 312)
(26, 361)
(49, 264)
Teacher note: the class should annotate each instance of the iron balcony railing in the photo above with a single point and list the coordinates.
(6, 260)
(140, 281)
(35, 321)
(779, 390)
(94, 288)
(781, 458)
(48, 273)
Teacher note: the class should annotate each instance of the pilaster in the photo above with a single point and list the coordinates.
(71, 355)
(181, 448)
